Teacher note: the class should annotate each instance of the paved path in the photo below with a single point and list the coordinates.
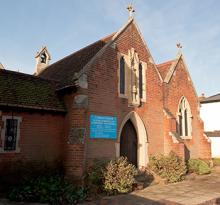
(204, 190)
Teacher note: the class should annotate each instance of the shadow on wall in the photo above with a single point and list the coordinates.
(13, 173)
(216, 201)
(186, 153)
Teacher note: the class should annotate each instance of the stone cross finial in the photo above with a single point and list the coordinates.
(130, 10)
(178, 45)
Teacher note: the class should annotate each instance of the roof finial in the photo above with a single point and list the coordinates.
(179, 46)
(130, 10)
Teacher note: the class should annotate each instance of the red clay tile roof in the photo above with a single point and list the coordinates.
(28, 91)
(214, 98)
(215, 133)
(164, 68)
(64, 69)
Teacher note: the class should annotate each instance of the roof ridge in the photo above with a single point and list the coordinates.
(213, 98)
(25, 90)
(173, 67)
(78, 51)
(163, 68)
(106, 37)
(115, 36)
(213, 95)
(166, 62)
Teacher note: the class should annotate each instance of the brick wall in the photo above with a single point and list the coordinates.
(104, 100)
(180, 85)
(74, 152)
(40, 137)
(47, 137)
(170, 144)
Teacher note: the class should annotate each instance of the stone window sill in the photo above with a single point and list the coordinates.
(186, 137)
(123, 96)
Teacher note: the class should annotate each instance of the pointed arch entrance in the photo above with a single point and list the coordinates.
(134, 122)
(128, 143)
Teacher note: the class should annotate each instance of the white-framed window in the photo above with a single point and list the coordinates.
(10, 134)
(184, 119)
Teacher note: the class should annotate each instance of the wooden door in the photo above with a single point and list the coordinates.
(128, 143)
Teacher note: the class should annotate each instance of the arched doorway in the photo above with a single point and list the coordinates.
(129, 142)
(142, 140)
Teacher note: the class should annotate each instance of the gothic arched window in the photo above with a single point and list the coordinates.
(184, 118)
(140, 81)
(122, 75)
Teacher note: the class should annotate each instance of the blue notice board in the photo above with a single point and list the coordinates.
(103, 127)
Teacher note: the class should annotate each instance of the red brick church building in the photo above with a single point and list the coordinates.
(105, 100)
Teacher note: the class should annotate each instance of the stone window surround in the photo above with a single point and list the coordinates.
(119, 93)
(144, 68)
(189, 118)
(17, 150)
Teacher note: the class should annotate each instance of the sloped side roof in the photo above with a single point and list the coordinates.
(64, 69)
(163, 68)
(214, 98)
(173, 67)
(27, 91)
(215, 133)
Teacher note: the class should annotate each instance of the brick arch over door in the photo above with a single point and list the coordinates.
(142, 147)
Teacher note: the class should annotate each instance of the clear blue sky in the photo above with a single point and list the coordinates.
(65, 26)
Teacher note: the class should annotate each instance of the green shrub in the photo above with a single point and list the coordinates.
(14, 173)
(216, 161)
(119, 176)
(73, 195)
(198, 166)
(171, 167)
(94, 177)
(53, 190)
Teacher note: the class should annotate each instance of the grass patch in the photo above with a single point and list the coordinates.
(216, 161)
